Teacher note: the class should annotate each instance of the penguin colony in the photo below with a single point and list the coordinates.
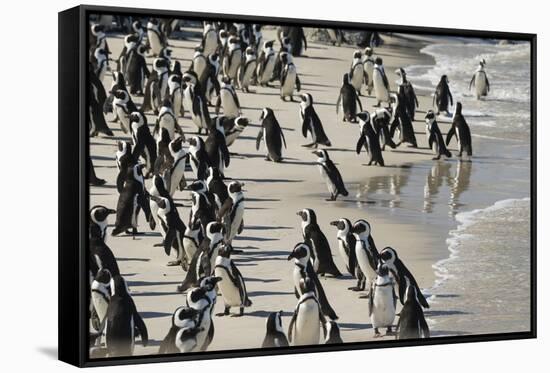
(156, 165)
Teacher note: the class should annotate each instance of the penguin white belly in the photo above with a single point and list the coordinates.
(236, 223)
(230, 108)
(154, 42)
(380, 90)
(100, 305)
(247, 77)
(307, 326)
(210, 43)
(187, 345)
(363, 261)
(231, 137)
(199, 65)
(383, 312)
(205, 324)
(189, 245)
(235, 63)
(288, 88)
(123, 117)
(343, 254)
(357, 79)
(368, 70)
(268, 70)
(187, 101)
(480, 85)
(132, 334)
(230, 293)
(177, 176)
(176, 102)
(330, 185)
(296, 277)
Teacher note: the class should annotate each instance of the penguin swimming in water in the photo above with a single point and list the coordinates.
(232, 211)
(289, 77)
(231, 286)
(123, 107)
(144, 143)
(307, 320)
(272, 134)
(275, 335)
(247, 70)
(435, 138)
(369, 139)
(266, 63)
(346, 246)
(382, 302)
(479, 81)
(183, 318)
(381, 122)
(228, 100)
(461, 130)
(412, 323)
(402, 275)
(349, 100)
(332, 333)
(303, 267)
(442, 96)
(402, 123)
(311, 123)
(380, 83)
(365, 251)
(123, 320)
(331, 175)
(368, 65)
(357, 72)
(405, 91)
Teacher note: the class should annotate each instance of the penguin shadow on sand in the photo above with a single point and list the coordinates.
(152, 314)
(265, 314)
(350, 326)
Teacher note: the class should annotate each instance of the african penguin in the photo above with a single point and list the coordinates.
(443, 98)
(346, 246)
(461, 130)
(272, 134)
(369, 139)
(275, 335)
(435, 138)
(349, 100)
(412, 323)
(479, 81)
(380, 82)
(307, 320)
(365, 251)
(382, 302)
(311, 123)
(330, 174)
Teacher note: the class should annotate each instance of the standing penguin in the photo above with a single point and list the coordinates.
(357, 72)
(368, 65)
(402, 122)
(232, 58)
(461, 130)
(304, 328)
(136, 70)
(209, 41)
(173, 227)
(216, 148)
(346, 246)
(406, 93)
(101, 295)
(321, 254)
(272, 134)
(176, 175)
(199, 64)
(332, 335)
(124, 106)
(289, 77)
(98, 220)
(100, 255)
(296, 37)
(479, 81)
(382, 302)
(123, 320)
(381, 122)
(380, 82)
(412, 323)
(303, 268)
(247, 70)
(275, 335)
(198, 157)
(157, 38)
(442, 96)
(156, 87)
(435, 138)
(232, 285)
(369, 139)
(365, 251)
(228, 100)
(232, 211)
(144, 143)
(195, 102)
(216, 186)
(349, 100)
(212, 87)
(175, 92)
(97, 99)
(184, 319)
(167, 119)
(232, 127)
(330, 174)
(311, 123)
(100, 62)
(402, 275)
(266, 63)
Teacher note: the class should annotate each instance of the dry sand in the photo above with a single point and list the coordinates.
(274, 192)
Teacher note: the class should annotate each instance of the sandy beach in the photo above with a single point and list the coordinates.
(400, 201)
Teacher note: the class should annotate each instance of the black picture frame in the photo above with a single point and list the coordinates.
(74, 198)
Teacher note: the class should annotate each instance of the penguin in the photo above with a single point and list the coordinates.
(167, 119)
(247, 70)
(307, 320)
(346, 247)
(461, 130)
(123, 320)
(232, 286)
(136, 69)
(98, 221)
(209, 41)
(232, 211)
(381, 123)
(368, 66)
(296, 38)
(157, 39)
(199, 64)
(369, 139)
(216, 148)
(442, 96)
(286, 47)
(289, 77)
(228, 100)
(332, 333)
(203, 262)
(349, 100)
(173, 227)
(164, 158)
(117, 83)
(176, 175)
(98, 38)
(183, 318)
(175, 91)
(101, 295)
(132, 198)
(435, 138)
(272, 134)
(412, 323)
(331, 175)
(405, 91)
(144, 143)
(365, 251)
(216, 187)
(202, 210)
(232, 127)
(203, 300)
(212, 87)
(196, 102)
(192, 238)
(303, 267)
(321, 254)
(311, 123)
(223, 37)
(100, 255)
(232, 58)
(380, 83)
(97, 99)
(382, 302)
(479, 81)
(198, 157)
(402, 275)
(266, 63)
(123, 106)
(92, 177)
(357, 72)
(100, 62)
(257, 36)
(275, 335)
(402, 123)
(156, 87)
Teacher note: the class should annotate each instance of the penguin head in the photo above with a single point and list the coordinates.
(226, 80)
(274, 322)
(368, 51)
(137, 117)
(361, 229)
(388, 255)
(430, 117)
(364, 116)
(301, 252)
(225, 251)
(130, 41)
(357, 54)
(175, 79)
(100, 54)
(153, 22)
(118, 77)
(285, 42)
(213, 58)
(241, 121)
(198, 186)
(268, 44)
(307, 99)
(196, 294)
(103, 276)
(223, 34)
(382, 270)
(190, 77)
(345, 79)
(249, 51)
(121, 95)
(137, 26)
(444, 79)
(214, 228)
(181, 314)
(342, 224)
(176, 145)
(99, 214)
(378, 61)
(284, 57)
(458, 109)
(308, 216)
(123, 146)
(195, 142)
(383, 114)
(306, 285)
(119, 286)
(209, 282)
(235, 187)
(266, 112)
(160, 64)
(322, 154)
(97, 29)
(233, 41)
(482, 62)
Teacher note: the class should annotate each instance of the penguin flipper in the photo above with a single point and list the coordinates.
(259, 138)
(323, 301)
(371, 299)
(450, 134)
(170, 237)
(140, 325)
(425, 330)
(360, 142)
(338, 101)
(241, 227)
(471, 82)
(291, 326)
(298, 84)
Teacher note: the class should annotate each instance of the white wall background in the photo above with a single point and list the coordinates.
(28, 197)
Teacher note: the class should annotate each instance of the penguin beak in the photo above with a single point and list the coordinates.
(291, 256)
(216, 279)
(335, 223)
(111, 211)
(299, 213)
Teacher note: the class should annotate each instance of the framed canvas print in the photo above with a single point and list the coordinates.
(234, 186)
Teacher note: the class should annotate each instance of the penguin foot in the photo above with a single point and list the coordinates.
(309, 145)
(355, 288)
(377, 335)
(98, 182)
(173, 263)
(159, 244)
(390, 332)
